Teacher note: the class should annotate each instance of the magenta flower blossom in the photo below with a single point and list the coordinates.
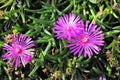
(19, 50)
(87, 42)
(100, 78)
(67, 26)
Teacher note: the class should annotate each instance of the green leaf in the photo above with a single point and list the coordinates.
(41, 21)
(44, 39)
(37, 65)
(7, 4)
(80, 58)
(116, 27)
(3, 1)
(47, 49)
(1, 43)
(96, 70)
(94, 1)
(111, 33)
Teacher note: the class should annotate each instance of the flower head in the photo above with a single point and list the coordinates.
(100, 78)
(19, 50)
(67, 26)
(87, 42)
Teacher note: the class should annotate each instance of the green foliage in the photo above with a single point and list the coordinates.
(52, 60)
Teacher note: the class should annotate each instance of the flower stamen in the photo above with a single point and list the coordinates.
(68, 28)
(85, 40)
(18, 50)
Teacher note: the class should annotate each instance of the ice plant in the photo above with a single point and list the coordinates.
(87, 42)
(19, 50)
(100, 78)
(67, 26)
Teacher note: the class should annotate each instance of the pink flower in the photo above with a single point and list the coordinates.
(67, 26)
(100, 78)
(19, 50)
(88, 41)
